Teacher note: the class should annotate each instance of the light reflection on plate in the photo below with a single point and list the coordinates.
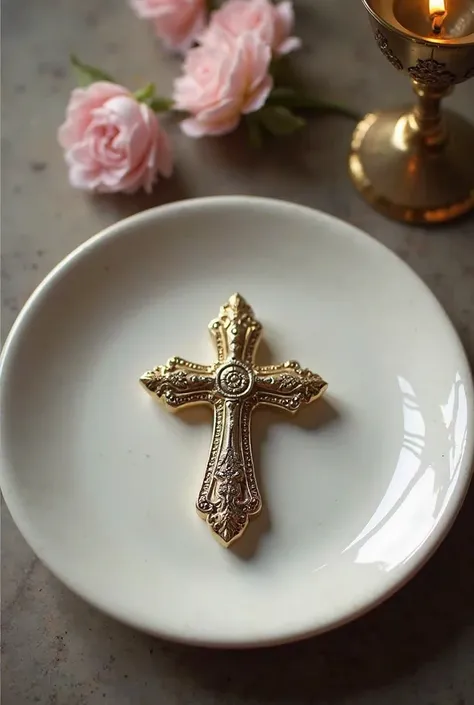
(404, 518)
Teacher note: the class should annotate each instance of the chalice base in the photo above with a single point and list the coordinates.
(402, 175)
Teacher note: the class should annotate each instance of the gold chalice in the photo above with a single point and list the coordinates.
(417, 164)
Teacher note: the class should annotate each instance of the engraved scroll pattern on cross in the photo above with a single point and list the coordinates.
(234, 386)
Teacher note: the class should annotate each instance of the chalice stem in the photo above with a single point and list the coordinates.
(428, 114)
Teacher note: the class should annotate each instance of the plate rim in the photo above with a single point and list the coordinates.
(120, 229)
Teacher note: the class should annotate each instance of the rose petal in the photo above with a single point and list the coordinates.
(176, 22)
(256, 100)
(193, 128)
(290, 44)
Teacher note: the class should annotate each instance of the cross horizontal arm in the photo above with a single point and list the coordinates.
(180, 382)
(287, 386)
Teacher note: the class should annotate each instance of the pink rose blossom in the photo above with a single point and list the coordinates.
(112, 142)
(223, 79)
(272, 23)
(176, 22)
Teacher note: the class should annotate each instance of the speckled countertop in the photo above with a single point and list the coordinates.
(418, 648)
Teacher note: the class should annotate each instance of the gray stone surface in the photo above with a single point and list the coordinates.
(418, 648)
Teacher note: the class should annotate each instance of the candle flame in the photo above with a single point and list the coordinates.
(437, 7)
(437, 14)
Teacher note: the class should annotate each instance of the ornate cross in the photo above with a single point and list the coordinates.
(234, 386)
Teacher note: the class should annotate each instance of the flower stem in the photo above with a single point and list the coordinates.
(290, 98)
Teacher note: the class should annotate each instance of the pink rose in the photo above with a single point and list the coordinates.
(272, 23)
(112, 142)
(223, 79)
(176, 22)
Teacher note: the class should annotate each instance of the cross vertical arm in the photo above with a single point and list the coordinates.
(229, 494)
(236, 331)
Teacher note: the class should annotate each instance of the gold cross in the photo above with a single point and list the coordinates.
(234, 386)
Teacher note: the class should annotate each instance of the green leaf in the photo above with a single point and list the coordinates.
(278, 120)
(88, 74)
(145, 94)
(290, 98)
(254, 130)
(156, 103)
(161, 105)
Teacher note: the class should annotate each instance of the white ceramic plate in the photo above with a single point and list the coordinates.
(358, 489)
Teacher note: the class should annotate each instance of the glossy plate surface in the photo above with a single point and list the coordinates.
(358, 489)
